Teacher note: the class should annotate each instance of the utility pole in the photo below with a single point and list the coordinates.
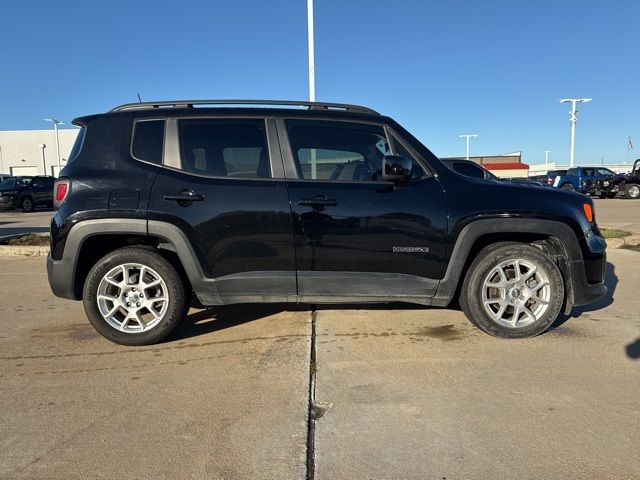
(312, 72)
(55, 127)
(312, 79)
(467, 137)
(572, 121)
(546, 156)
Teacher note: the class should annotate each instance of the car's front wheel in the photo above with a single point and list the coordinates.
(514, 290)
(134, 296)
(27, 204)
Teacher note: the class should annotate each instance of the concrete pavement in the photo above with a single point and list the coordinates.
(225, 398)
(401, 392)
(420, 393)
(619, 213)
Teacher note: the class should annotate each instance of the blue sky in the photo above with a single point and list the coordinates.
(441, 68)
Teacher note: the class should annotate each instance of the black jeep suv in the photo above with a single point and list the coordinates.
(167, 205)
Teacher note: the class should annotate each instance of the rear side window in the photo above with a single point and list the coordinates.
(225, 148)
(148, 139)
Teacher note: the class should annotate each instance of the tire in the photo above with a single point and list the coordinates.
(129, 320)
(567, 187)
(632, 190)
(514, 294)
(27, 204)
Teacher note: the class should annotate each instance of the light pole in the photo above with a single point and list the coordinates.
(44, 163)
(312, 72)
(572, 121)
(467, 137)
(55, 127)
(546, 156)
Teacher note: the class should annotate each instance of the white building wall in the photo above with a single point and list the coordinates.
(20, 149)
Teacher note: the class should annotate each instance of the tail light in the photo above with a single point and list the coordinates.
(60, 191)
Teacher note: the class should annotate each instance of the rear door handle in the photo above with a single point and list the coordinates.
(184, 197)
(317, 201)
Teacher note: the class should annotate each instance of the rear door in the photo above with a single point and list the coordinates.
(356, 235)
(239, 223)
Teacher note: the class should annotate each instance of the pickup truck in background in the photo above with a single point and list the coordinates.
(599, 181)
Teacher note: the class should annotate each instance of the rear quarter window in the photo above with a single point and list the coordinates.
(148, 140)
(77, 145)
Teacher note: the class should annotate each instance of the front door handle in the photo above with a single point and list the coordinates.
(184, 197)
(317, 201)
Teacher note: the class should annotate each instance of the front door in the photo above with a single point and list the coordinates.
(239, 222)
(356, 235)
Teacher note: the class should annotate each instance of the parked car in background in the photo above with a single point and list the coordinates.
(326, 203)
(630, 184)
(474, 170)
(549, 178)
(599, 181)
(27, 192)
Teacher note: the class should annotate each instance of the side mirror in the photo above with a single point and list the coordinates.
(396, 168)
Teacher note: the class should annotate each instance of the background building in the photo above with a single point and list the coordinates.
(21, 154)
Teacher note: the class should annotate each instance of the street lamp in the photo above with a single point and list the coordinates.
(44, 163)
(55, 127)
(572, 120)
(467, 137)
(312, 71)
(546, 156)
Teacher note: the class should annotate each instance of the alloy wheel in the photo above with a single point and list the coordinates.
(132, 298)
(516, 293)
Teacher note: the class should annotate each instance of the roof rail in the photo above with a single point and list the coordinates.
(191, 103)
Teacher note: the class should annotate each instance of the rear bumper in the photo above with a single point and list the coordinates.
(61, 274)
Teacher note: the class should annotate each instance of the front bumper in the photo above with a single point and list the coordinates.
(588, 279)
(7, 202)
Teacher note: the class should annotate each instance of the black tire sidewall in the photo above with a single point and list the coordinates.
(471, 294)
(29, 202)
(628, 187)
(175, 287)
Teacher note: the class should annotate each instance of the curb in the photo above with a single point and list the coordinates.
(23, 250)
(628, 241)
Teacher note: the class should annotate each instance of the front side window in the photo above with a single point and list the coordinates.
(148, 140)
(337, 151)
(605, 171)
(225, 148)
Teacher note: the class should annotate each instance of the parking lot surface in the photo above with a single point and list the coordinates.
(14, 222)
(618, 213)
(400, 392)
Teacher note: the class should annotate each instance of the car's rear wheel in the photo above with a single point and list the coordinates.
(134, 296)
(512, 291)
(27, 204)
(632, 190)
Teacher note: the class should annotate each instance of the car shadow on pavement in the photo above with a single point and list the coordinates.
(611, 282)
(222, 317)
(213, 319)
